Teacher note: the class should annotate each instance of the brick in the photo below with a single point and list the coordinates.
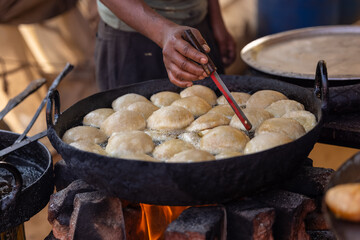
(97, 217)
(61, 203)
(291, 210)
(249, 220)
(201, 223)
(309, 181)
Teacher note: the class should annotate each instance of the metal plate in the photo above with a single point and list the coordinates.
(294, 54)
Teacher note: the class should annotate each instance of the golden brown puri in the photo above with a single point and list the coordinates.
(144, 108)
(263, 98)
(266, 141)
(123, 120)
(305, 118)
(256, 116)
(228, 155)
(207, 121)
(139, 156)
(85, 133)
(170, 118)
(223, 109)
(129, 142)
(240, 98)
(192, 155)
(223, 139)
(344, 201)
(201, 91)
(191, 137)
(88, 147)
(169, 148)
(290, 127)
(194, 104)
(124, 101)
(279, 108)
(165, 98)
(97, 117)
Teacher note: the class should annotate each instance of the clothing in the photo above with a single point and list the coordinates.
(182, 12)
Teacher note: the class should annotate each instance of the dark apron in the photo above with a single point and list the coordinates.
(123, 58)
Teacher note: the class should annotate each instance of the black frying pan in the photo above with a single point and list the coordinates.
(349, 172)
(34, 163)
(186, 183)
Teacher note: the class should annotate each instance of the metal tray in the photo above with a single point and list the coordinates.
(293, 54)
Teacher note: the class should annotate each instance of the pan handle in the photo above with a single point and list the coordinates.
(11, 198)
(53, 100)
(321, 89)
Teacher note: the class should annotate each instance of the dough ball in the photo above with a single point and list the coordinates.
(88, 147)
(123, 120)
(129, 142)
(201, 91)
(85, 133)
(144, 108)
(169, 148)
(240, 98)
(344, 201)
(266, 141)
(305, 118)
(125, 100)
(228, 155)
(256, 116)
(223, 109)
(170, 118)
(263, 98)
(139, 156)
(194, 104)
(97, 117)
(192, 155)
(290, 127)
(163, 99)
(279, 108)
(223, 139)
(207, 121)
(191, 137)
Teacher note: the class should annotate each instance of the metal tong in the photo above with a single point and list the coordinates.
(210, 70)
(20, 142)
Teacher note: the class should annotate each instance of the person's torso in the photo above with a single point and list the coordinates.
(182, 12)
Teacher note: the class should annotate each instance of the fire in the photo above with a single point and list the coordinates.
(155, 219)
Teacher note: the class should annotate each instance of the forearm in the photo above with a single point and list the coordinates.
(138, 15)
(215, 13)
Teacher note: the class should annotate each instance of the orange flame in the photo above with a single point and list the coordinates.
(155, 219)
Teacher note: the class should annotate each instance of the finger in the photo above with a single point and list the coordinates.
(188, 66)
(201, 40)
(182, 75)
(178, 82)
(187, 50)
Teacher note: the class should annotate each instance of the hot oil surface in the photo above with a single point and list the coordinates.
(30, 172)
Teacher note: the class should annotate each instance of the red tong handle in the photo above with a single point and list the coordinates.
(189, 37)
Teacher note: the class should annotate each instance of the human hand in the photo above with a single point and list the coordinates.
(177, 56)
(226, 43)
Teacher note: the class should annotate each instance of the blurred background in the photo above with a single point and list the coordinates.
(37, 39)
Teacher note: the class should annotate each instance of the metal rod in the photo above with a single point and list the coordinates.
(21, 144)
(53, 86)
(13, 102)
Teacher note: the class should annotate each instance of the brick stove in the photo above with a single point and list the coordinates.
(291, 210)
